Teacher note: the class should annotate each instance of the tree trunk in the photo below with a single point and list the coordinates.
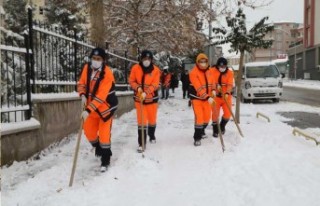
(238, 83)
(97, 34)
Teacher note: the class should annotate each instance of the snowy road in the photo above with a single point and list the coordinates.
(268, 167)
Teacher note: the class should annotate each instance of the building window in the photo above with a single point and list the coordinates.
(279, 37)
(309, 37)
(40, 10)
(278, 27)
(308, 3)
(319, 57)
(279, 45)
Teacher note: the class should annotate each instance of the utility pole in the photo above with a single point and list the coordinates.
(271, 37)
(210, 34)
(210, 22)
(295, 59)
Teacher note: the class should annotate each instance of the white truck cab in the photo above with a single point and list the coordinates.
(261, 80)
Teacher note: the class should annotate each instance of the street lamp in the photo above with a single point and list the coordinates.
(271, 38)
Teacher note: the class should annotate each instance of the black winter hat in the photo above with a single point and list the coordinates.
(98, 52)
(222, 61)
(146, 53)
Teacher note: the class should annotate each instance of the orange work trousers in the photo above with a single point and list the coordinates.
(96, 130)
(220, 103)
(202, 112)
(149, 114)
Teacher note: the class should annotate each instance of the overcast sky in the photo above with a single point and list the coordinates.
(279, 10)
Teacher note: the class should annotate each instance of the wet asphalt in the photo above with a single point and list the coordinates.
(301, 119)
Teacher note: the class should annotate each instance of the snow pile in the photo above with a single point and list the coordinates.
(269, 166)
(14, 126)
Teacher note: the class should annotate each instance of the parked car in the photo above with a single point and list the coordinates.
(261, 80)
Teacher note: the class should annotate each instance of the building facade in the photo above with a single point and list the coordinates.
(38, 9)
(2, 14)
(304, 59)
(284, 35)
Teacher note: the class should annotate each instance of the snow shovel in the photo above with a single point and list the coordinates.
(219, 129)
(234, 119)
(75, 158)
(142, 128)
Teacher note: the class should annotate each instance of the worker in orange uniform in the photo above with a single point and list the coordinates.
(165, 83)
(145, 79)
(97, 90)
(225, 81)
(201, 93)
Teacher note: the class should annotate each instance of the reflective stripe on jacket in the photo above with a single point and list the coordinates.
(201, 83)
(224, 79)
(99, 88)
(149, 83)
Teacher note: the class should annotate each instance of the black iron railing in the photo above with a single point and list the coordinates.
(15, 83)
(47, 60)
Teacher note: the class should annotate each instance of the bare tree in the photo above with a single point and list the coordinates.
(158, 25)
(98, 29)
(169, 25)
(241, 40)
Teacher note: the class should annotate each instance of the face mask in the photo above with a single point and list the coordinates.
(203, 65)
(221, 69)
(96, 64)
(146, 63)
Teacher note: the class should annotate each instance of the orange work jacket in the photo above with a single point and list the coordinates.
(148, 82)
(201, 83)
(99, 88)
(223, 79)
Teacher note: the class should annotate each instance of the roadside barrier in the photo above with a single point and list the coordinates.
(263, 115)
(307, 136)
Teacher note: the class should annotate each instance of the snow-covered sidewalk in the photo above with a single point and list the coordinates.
(268, 167)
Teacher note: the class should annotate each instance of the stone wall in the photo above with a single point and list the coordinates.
(58, 118)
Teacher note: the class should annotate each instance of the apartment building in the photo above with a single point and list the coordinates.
(284, 35)
(304, 60)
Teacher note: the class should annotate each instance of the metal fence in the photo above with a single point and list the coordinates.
(56, 58)
(48, 60)
(15, 82)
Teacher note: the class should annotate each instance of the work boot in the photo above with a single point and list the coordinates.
(197, 143)
(140, 149)
(215, 129)
(98, 148)
(203, 135)
(140, 137)
(197, 136)
(223, 125)
(105, 158)
(151, 131)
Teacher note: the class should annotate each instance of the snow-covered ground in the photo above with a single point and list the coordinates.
(307, 84)
(269, 166)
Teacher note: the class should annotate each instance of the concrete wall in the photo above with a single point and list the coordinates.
(20, 146)
(58, 119)
(126, 104)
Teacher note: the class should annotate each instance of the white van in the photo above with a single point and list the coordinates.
(261, 80)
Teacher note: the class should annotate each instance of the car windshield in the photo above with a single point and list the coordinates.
(262, 71)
